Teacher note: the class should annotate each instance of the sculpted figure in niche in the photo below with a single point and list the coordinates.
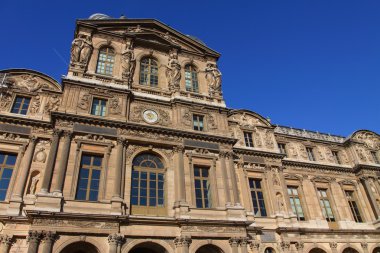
(40, 155)
(35, 105)
(84, 102)
(173, 71)
(33, 184)
(128, 62)
(115, 108)
(280, 202)
(52, 104)
(214, 78)
(81, 50)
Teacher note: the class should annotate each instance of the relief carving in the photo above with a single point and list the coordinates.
(5, 100)
(28, 82)
(40, 155)
(233, 229)
(74, 223)
(128, 63)
(369, 139)
(186, 118)
(292, 150)
(302, 151)
(257, 138)
(163, 116)
(320, 154)
(84, 102)
(268, 139)
(214, 80)
(36, 103)
(81, 51)
(173, 71)
(115, 107)
(52, 104)
(10, 136)
(361, 154)
(212, 122)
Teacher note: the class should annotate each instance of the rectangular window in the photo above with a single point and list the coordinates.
(281, 147)
(99, 107)
(336, 157)
(257, 197)
(296, 202)
(351, 199)
(89, 177)
(198, 122)
(248, 139)
(374, 157)
(310, 154)
(21, 105)
(202, 187)
(7, 164)
(325, 205)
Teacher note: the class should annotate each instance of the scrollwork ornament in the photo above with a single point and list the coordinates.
(234, 242)
(299, 245)
(333, 245)
(364, 245)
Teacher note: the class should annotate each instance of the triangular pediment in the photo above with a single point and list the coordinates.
(149, 30)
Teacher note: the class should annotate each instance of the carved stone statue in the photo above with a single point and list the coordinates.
(292, 150)
(36, 103)
(52, 104)
(214, 78)
(81, 50)
(33, 184)
(115, 107)
(173, 71)
(128, 63)
(280, 202)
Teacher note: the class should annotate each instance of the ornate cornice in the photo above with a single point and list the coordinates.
(243, 151)
(317, 166)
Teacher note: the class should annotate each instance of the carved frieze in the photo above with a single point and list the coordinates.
(369, 139)
(114, 107)
(74, 223)
(52, 104)
(308, 134)
(215, 229)
(163, 116)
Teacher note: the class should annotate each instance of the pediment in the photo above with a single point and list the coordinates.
(248, 119)
(150, 30)
(368, 138)
(29, 80)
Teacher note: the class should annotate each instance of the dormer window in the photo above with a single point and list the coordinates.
(191, 78)
(149, 72)
(21, 105)
(106, 61)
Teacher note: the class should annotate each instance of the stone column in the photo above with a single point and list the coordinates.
(63, 161)
(243, 245)
(180, 175)
(5, 243)
(299, 247)
(235, 189)
(48, 239)
(119, 168)
(234, 242)
(18, 192)
(222, 157)
(182, 244)
(371, 197)
(50, 162)
(34, 238)
(364, 247)
(333, 246)
(115, 241)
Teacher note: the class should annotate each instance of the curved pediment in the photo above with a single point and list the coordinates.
(248, 119)
(29, 80)
(368, 138)
(149, 30)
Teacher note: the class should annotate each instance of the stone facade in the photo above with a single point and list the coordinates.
(138, 87)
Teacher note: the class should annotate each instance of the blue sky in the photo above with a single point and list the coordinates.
(306, 64)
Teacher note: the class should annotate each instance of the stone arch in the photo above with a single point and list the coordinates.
(135, 244)
(209, 248)
(143, 150)
(72, 243)
(143, 55)
(375, 249)
(314, 247)
(113, 45)
(269, 250)
(223, 246)
(350, 249)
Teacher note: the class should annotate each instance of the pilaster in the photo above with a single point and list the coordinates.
(34, 239)
(115, 242)
(5, 243)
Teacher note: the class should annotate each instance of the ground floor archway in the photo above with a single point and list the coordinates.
(350, 250)
(376, 250)
(80, 247)
(317, 250)
(209, 248)
(148, 247)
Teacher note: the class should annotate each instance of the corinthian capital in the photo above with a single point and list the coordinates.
(182, 241)
(115, 239)
(34, 236)
(234, 241)
(49, 236)
(6, 239)
(179, 149)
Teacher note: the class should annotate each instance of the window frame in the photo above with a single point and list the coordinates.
(193, 79)
(310, 154)
(257, 199)
(248, 140)
(106, 106)
(89, 179)
(355, 214)
(150, 72)
(300, 198)
(20, 108)
(282, 149)
(336, 157)
(106, 62)
(13, 167)
(209, 190)
(157, 209)
(198, 117)
(323, 208)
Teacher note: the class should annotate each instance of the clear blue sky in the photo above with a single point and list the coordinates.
(306, 64)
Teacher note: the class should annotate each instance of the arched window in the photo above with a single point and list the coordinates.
(147, 188)
(191, 78)
(149, 72)
(269, 250)
(106, 61)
